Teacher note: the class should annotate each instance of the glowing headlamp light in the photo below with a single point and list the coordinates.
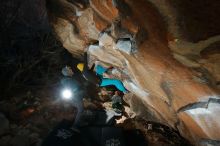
(67, 94)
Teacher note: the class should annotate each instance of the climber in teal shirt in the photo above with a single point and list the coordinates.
(108, 81)
(98, 78)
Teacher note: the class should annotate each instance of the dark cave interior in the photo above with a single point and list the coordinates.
(171, 71)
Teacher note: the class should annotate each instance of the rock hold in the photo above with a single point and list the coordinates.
(124, 46)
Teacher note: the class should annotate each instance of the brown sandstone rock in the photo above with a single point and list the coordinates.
(71, 41)
(202, 123)
(212, 64)
(105, 9)
(91, 24)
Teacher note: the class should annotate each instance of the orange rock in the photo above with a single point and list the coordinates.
(72, 41)
(130, 25)
(105, 9)
(91, 24)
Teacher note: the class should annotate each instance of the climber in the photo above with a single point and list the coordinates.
(107, 80)
(101, 77)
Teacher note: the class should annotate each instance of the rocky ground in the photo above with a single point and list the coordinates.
(27, 120)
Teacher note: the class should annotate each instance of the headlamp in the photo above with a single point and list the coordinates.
(67, 94)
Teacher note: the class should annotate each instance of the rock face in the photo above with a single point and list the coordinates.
(173, 77)
(106, 9)
(91, 25)
(70, 40)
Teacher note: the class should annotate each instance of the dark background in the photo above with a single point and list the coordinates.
(30, 56)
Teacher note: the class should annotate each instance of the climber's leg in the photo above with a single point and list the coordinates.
(117, 83)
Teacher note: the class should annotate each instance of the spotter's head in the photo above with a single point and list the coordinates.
(67, 71)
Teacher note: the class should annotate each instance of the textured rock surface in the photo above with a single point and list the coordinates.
(106, 9)
(91, 24)
(70, 40)
(173, 76)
